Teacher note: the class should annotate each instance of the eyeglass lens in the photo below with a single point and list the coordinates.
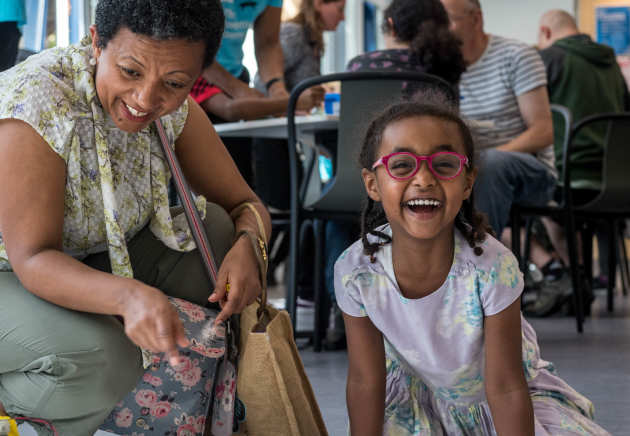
(443, 165)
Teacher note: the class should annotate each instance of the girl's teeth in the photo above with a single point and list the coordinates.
(435, 203)
(134, 112)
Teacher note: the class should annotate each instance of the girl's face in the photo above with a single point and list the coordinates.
(434, 216)
(139, 79)
(331, 13)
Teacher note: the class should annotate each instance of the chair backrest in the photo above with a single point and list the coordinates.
(615, 193)
(363, 95)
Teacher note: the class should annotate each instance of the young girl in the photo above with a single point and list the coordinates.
(436, 341)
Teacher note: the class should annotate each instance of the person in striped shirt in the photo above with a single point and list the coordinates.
(503, 94)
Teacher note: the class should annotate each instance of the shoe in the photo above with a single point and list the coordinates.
(553, 270)
(336, 331)
(553, 294)
(600, 282)
(533, 277)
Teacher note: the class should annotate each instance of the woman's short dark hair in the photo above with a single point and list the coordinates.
(472, 224)
(424, 25)
(192, 20)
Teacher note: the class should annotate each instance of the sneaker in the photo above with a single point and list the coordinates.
(551, 297)
(553, 270)
(600, 282)
(533, 277)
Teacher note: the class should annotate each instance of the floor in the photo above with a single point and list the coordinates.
(596, 363)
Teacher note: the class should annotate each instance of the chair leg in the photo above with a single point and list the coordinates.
(318, 288)
(529, 223)
(623, 258)
(292, 269)
(587, 252)
(516, 240)
(574, 266)
(612, 265)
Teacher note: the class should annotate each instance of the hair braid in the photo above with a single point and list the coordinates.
(371, 217)
(473, 225)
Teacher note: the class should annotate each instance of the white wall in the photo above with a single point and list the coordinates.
(519, 18)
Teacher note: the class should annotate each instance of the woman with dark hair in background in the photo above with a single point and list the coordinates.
(417, 39)
(87, 237)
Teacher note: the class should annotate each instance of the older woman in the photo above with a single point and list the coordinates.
(86, 232)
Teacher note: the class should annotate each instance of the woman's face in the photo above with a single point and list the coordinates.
(139, 79)
(332, 13)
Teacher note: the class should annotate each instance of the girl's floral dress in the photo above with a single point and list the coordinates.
(435, 350)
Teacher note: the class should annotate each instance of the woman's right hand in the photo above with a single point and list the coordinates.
(310, 98)
(151, 321)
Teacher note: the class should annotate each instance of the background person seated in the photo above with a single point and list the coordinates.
(585, 77)
(228, 73)
(504, 91)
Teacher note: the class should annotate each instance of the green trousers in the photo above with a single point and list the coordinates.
(71, 368)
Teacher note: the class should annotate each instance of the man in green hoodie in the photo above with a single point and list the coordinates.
(585, 77)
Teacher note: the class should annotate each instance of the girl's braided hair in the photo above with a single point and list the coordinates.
(471, 223)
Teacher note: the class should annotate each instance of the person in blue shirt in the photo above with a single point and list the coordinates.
(12, 17)
(227, 69)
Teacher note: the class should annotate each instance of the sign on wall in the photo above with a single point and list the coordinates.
(613, 27)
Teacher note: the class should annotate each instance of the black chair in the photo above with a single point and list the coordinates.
(611, 205)
(363, 94)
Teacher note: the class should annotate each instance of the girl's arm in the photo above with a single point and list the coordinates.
(235, 109)
(365, 392)
(506, 387)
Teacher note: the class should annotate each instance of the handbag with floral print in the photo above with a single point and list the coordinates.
(178, 401)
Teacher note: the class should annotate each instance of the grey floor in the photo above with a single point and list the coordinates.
(596, 363)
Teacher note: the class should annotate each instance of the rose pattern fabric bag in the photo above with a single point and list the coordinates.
(177, 401)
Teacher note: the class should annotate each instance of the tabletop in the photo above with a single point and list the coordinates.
(276, 127)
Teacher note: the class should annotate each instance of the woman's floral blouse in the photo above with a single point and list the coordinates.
(116, 181)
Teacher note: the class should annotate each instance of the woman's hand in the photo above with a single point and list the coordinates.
(152, 323)
(240, 270)
(310, 98)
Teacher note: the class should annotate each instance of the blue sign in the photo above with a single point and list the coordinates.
(613, 28)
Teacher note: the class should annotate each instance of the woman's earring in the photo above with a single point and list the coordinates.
(93, 61)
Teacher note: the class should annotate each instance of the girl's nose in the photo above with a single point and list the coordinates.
(424, 177)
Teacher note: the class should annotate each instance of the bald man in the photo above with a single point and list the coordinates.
(585, 77)
(504, 91)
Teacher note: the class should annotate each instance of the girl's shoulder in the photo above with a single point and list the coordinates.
(493, 251)
(355, 261)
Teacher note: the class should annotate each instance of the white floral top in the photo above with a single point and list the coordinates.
(116, 181)
(434, 345)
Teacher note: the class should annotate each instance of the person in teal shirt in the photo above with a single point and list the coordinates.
(264, 16)
(12, 18)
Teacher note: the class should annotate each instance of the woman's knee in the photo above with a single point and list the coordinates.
(69, 384)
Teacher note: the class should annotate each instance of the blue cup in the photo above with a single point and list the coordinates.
(331, 103)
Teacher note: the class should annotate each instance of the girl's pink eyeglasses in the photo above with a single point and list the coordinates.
(403, 165)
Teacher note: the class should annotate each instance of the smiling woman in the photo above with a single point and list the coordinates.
(86, 234)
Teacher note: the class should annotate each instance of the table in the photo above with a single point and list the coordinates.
(277, 127)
